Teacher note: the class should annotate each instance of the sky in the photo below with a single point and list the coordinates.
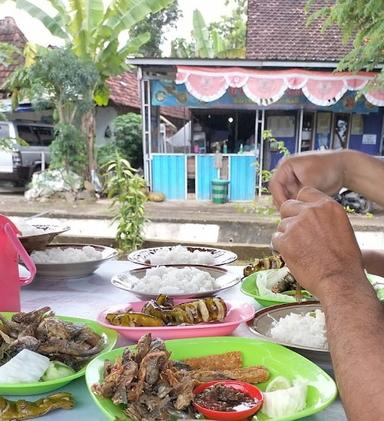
(36, 33)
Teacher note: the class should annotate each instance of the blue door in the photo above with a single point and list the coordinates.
(169, 175)
(205, 173)
(242, 176)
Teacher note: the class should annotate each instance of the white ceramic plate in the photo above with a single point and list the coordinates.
(74, 269)
(261, 326)
(221, 257)
(40, 241)
(223, 279)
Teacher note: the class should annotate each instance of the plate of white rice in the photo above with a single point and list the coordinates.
(300, 326)
(177, 281)
(38, 236)
(63, 261)
(182, 255)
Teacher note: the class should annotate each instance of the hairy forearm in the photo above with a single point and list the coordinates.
(374, 261)
(355, 320)
(363, 173)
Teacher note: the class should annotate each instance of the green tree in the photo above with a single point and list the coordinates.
(18, 82)
(362, 23)
(63, 81)
(8, 54)
(180, 47)
(233, 27)
(222, 39)
(92, 31)
(58, 76)
(156, 24)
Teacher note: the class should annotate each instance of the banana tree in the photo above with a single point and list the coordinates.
(92, 31)
(207, 42)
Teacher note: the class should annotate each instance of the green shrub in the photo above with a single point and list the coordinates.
(128, 192)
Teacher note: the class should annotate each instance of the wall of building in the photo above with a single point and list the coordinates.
(104, 117)
(366, 136)
(369, 140)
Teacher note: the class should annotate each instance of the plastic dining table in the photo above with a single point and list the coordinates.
(86, 297)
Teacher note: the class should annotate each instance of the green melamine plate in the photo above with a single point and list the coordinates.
(378, 284)
(110, 338)
(249, 287)
(280, 361)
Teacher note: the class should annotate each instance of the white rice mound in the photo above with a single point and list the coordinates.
(181, 255)
(168, 280)
(301, 329)
(66, 255)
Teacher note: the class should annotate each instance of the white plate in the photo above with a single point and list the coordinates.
(77, 269)
(221, 257)
(223, 278)
(40, 241)
(261, 326)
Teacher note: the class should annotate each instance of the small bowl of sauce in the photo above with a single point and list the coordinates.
(227, 400)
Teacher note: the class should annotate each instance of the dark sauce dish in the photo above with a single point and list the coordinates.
(227, 400)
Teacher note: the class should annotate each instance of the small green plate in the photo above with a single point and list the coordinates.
(378, 284)
(278, 360)
(249, 287)
(110, 337)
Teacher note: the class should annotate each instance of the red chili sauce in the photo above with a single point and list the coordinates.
(224, 398)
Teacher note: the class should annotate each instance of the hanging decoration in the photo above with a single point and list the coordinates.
(265, 87)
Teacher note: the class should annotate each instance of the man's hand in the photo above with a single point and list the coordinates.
(317, 242)
(321, 170)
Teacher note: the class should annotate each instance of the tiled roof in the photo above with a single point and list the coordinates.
(124, 90)
(277, 30)
(11, 34)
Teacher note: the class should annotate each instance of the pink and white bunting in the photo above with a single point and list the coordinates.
(265, 87)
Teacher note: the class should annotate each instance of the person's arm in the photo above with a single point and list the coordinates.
(355, 320)
(328, 171)
(374, 261)
(363, 174)
(317, 242)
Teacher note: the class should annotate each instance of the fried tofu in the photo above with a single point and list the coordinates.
(227, 361)
(253, 374)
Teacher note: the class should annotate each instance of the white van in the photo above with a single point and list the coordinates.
(18, 162)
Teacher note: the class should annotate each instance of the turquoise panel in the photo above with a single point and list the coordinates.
(169, 176)
(242, 177)
(205, 173)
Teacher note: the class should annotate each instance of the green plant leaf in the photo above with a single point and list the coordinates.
(124, 14)
(93, 13)
(201, 35)
(232, 53)
(79, 34)
(101, 96)
(51, 23)
(134, 45)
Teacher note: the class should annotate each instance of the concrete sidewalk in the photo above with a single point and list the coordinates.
(259, 212)
(240, 226)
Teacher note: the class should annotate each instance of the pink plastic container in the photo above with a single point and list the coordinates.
(11, 250)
